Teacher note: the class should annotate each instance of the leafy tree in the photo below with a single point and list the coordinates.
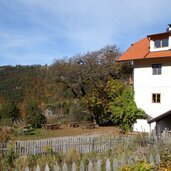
(34, 115)
(9, 111)
(114, 105)
(83, 74)
(78, 111)
(124, 111)
(98, 101)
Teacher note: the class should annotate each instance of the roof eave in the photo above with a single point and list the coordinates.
(131, 59)
(160, 117)
(158, 34)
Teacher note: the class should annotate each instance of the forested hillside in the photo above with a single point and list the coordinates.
(79, 88)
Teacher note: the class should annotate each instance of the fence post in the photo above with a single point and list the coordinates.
(47, 167)
(109, 143)
(151, 159)
(37, 168)
(56, 167)
(81, 166)
(123, 161)
(99, 165)
(93, 145)
(26, 169)
(73, 166)
(107, 165)
(64, 147)
(34, 149)
(130, 161)
(90, 166)
(115, 165)
(157, 158)
(65, 167)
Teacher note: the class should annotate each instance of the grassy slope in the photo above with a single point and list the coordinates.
(67, 131)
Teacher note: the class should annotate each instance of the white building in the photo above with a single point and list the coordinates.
(151, 58)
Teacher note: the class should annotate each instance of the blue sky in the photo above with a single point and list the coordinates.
(39, 31)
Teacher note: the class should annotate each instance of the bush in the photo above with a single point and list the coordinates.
(5, 135)
(9, 111)
(71, 156)
(141, 166)
(34, 115)
(11, 156)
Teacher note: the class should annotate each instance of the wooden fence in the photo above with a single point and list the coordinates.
(108, 165)
(83, 144)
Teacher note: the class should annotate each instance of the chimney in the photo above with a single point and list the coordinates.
(169, 28)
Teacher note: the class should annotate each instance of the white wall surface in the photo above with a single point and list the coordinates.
(141, 126)
(145, 84)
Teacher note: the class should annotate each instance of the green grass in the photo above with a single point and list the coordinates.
(38, 134)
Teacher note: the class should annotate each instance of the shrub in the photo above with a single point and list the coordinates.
(72, 155)
(34, 115)
(11, 156)
(5, 135)
(9, 111)
(141, 166)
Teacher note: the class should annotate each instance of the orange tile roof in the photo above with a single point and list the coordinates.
(159, 54)
(141, 50)
(137, 51)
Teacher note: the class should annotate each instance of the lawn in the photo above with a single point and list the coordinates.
(67, 131)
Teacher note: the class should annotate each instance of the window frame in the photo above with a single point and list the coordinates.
(156, 69)
(156, 98)
(161, 43)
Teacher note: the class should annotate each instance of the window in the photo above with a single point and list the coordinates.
(161, 43)
(156, 98)
(156, 69)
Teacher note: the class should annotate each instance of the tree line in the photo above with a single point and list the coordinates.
(91, 86)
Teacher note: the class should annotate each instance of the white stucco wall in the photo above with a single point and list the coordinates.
(145, 84)
(142, 126)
